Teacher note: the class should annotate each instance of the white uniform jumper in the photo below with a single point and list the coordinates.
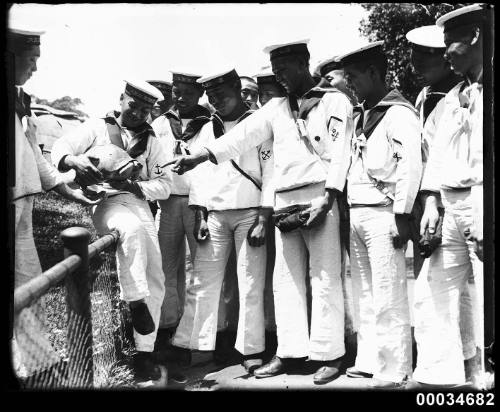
(391, 155)
(233, 202)
(175, 220)
(300, 176)
(454, 169)
(138, 253)
(429, 126)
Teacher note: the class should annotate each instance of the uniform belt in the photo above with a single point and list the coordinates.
(370, 205)
(172, 194)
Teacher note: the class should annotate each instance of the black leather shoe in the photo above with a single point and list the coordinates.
(275, 367)
(328, 372)
(252, 362)
(356, 373)
(141, 318)
(278, 365)
(145, 367)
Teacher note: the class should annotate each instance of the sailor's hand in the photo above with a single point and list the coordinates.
(430, 216)
(77, 195)
(200, 231)
(400, 231)
(127, 186)
(257, 233)
(183, 164)
(86, 173)
(319, 209)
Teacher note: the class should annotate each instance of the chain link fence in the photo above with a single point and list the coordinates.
(70, 328)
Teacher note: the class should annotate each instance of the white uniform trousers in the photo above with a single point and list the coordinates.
(443, 313)
(175, 222)
(379, 285)
(137, 254)
(31, 348)
(326, 338)
(198, 326)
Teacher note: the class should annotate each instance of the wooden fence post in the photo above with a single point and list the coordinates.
(78, 287)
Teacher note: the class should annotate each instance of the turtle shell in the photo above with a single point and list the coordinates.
(113, 162)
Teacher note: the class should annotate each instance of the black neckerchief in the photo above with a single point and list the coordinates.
(140, 136)
(218, 128)
(218, 123)
(200, 116)
(437, 92)
(377, 113)
(23, 103)
(309, 100)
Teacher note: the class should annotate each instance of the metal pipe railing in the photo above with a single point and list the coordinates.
(74, 270)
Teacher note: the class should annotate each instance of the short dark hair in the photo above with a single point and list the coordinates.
(293, 58)
(379, 62)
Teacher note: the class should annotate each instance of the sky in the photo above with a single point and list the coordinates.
(89, 49)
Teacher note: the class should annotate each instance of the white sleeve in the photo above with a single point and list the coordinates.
(159, 185)
(266, 158)
(431, 180)
(77, 142)
(404, 130)
(247, 134)
(49, 176)
(340, 128)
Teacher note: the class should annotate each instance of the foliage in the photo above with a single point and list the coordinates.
(52, 214)
(66, 103)
(390, 22)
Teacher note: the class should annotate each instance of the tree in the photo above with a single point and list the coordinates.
(66, 103)
(390, 22)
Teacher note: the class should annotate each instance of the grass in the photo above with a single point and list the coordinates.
(111, 324)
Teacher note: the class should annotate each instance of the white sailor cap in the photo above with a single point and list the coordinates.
(164, 86)
(265, 77)
(326, 66)
(185, 77)
(427, 39)
(475, 13)
(22, 39)
(142, 90)
(216, 79)
(367, 52)
(298, 47)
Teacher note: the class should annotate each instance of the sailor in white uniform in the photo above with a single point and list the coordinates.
(31, 174)
(142, 282)
(229, 200)
(453, 173)
(382, 186)
(178, 130)
(310, 133)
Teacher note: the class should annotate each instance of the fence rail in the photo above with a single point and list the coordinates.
(78, 280)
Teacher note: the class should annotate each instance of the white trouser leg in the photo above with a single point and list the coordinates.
(251, 271)
(289, 289)
(198, 326)
(326, 340)
(380, 290)
(31, 349)
(171, 233)
(467, 322)
(188, 223)
(138, 255)
(228, 303)
(438, 310)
